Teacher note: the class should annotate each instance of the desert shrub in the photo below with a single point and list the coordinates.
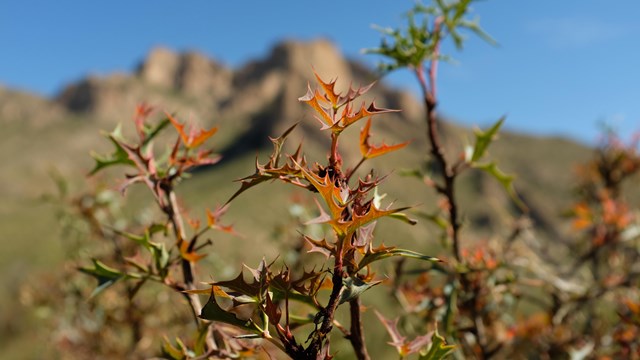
(496, 298)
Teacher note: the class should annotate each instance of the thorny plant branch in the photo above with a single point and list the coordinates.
(449, 174)
(166, 199)
(356, 333)
(446, 188)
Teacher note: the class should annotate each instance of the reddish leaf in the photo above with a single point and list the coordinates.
(403, 347)
(213, 221)
(270, 171)
(313, 99)
(349, 118)
(195, 137)
(329, 90)
(189, 255)
(330, 193)
(369, 151)
(320, 246)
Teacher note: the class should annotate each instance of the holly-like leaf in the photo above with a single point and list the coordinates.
(178, 352)
(105, 275)
(438, 348)
(315, 99)
(319, 246)
(213, 311)
(369, 151)
(382, 252)
(195, 137)
(189, 254)
(238, 284)
(349, 118)
(329, 192)
(353, 287)
(391, 326)
(329, 90)
(213, 221)
(504, 179)
(327, 103)
(150, 132)
(272, 170)
(483, 140)
(118, 157)
(160, 256)
(373, 214)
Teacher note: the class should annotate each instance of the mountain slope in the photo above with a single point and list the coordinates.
(249, 104)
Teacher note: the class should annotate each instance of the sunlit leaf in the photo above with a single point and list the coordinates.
(483, 140)
(320, 246)
(173, 352)
(353, 287)
(369, 151)
(213, 311)
(215, 289)
(313, 99)
(438, 348)
(240, 285)
(384, 252)
(105, 275)
(195, 137)
(504, 179)
(329, 90)
(328, 190)
(118, 157)
(272, 170)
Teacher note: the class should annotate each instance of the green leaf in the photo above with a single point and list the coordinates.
(171, 351)
(451, 294)
(201, 342)
(354, 287)
(403, 217)
(389, 252)
(435, 218)
(151, 132)
(160, 257)
(140, 239)
(483, 140)
(105, 275)
(504, 179)
(119, 155)
(438, 348)
(213, 311)
(474, 26)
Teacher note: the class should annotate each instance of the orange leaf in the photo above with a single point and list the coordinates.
(213, 221)
(313, 98)
(215, 289)
(329, 90)
(327, 189)
(348, 118)
(190, 256)
(369, 151)
(193, 256)
(194, 223)
(195, 137)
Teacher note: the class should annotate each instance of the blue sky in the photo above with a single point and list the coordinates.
(560, 69)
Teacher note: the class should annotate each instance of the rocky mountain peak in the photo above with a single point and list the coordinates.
(191, 72)
(321, 54)
(160, 67)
